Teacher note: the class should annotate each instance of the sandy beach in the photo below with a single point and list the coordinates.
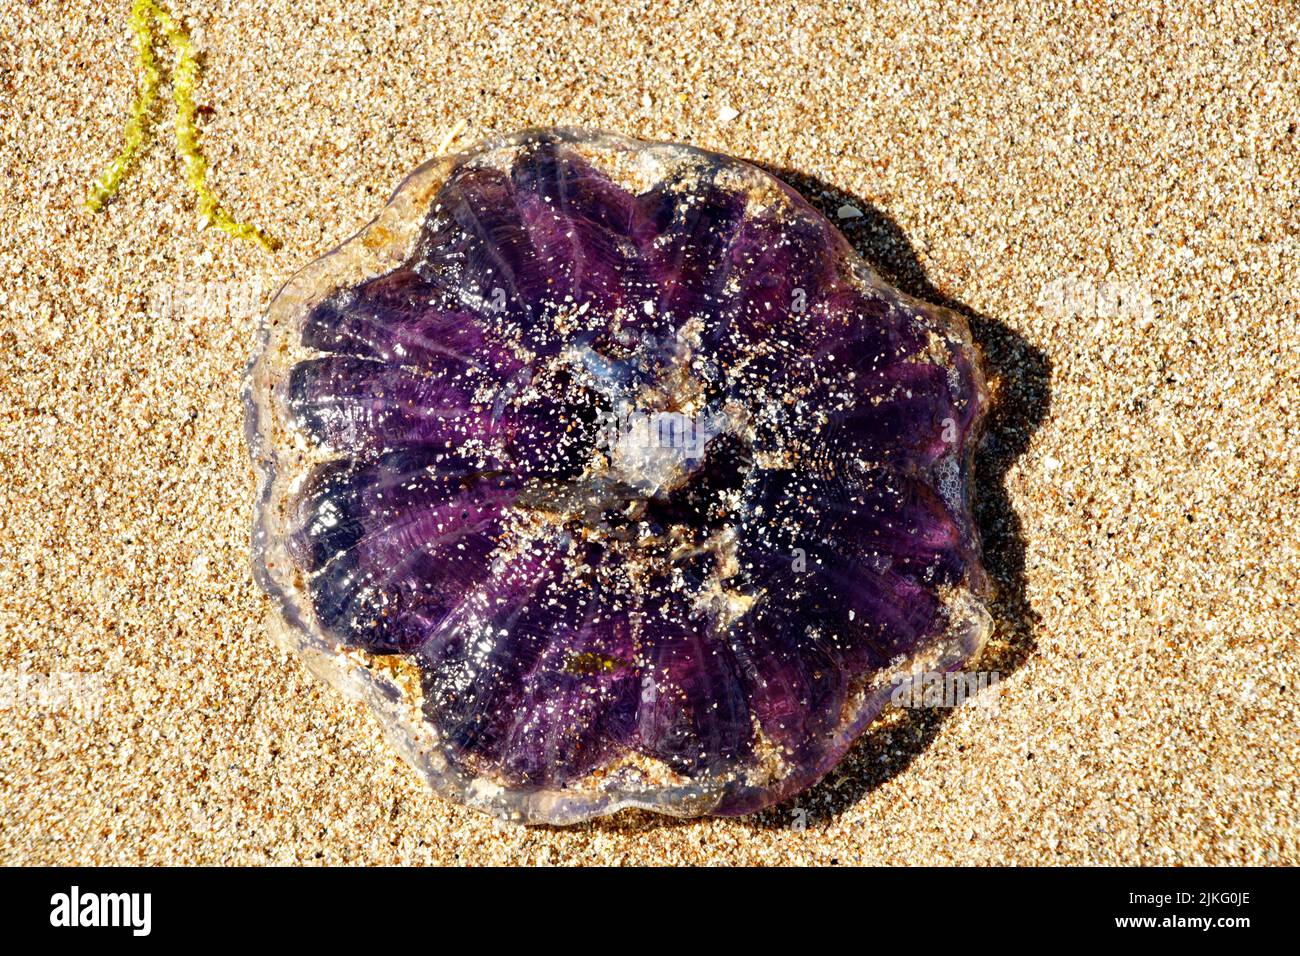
(1110, 194)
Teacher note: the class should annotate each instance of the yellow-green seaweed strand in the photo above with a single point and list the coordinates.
(137, 124)
(185, 75)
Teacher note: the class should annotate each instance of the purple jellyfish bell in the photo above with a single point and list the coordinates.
(611, 476)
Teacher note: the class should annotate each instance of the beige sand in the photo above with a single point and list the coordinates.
(1114, 193)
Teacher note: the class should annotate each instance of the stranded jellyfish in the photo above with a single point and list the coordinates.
(611, 476)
